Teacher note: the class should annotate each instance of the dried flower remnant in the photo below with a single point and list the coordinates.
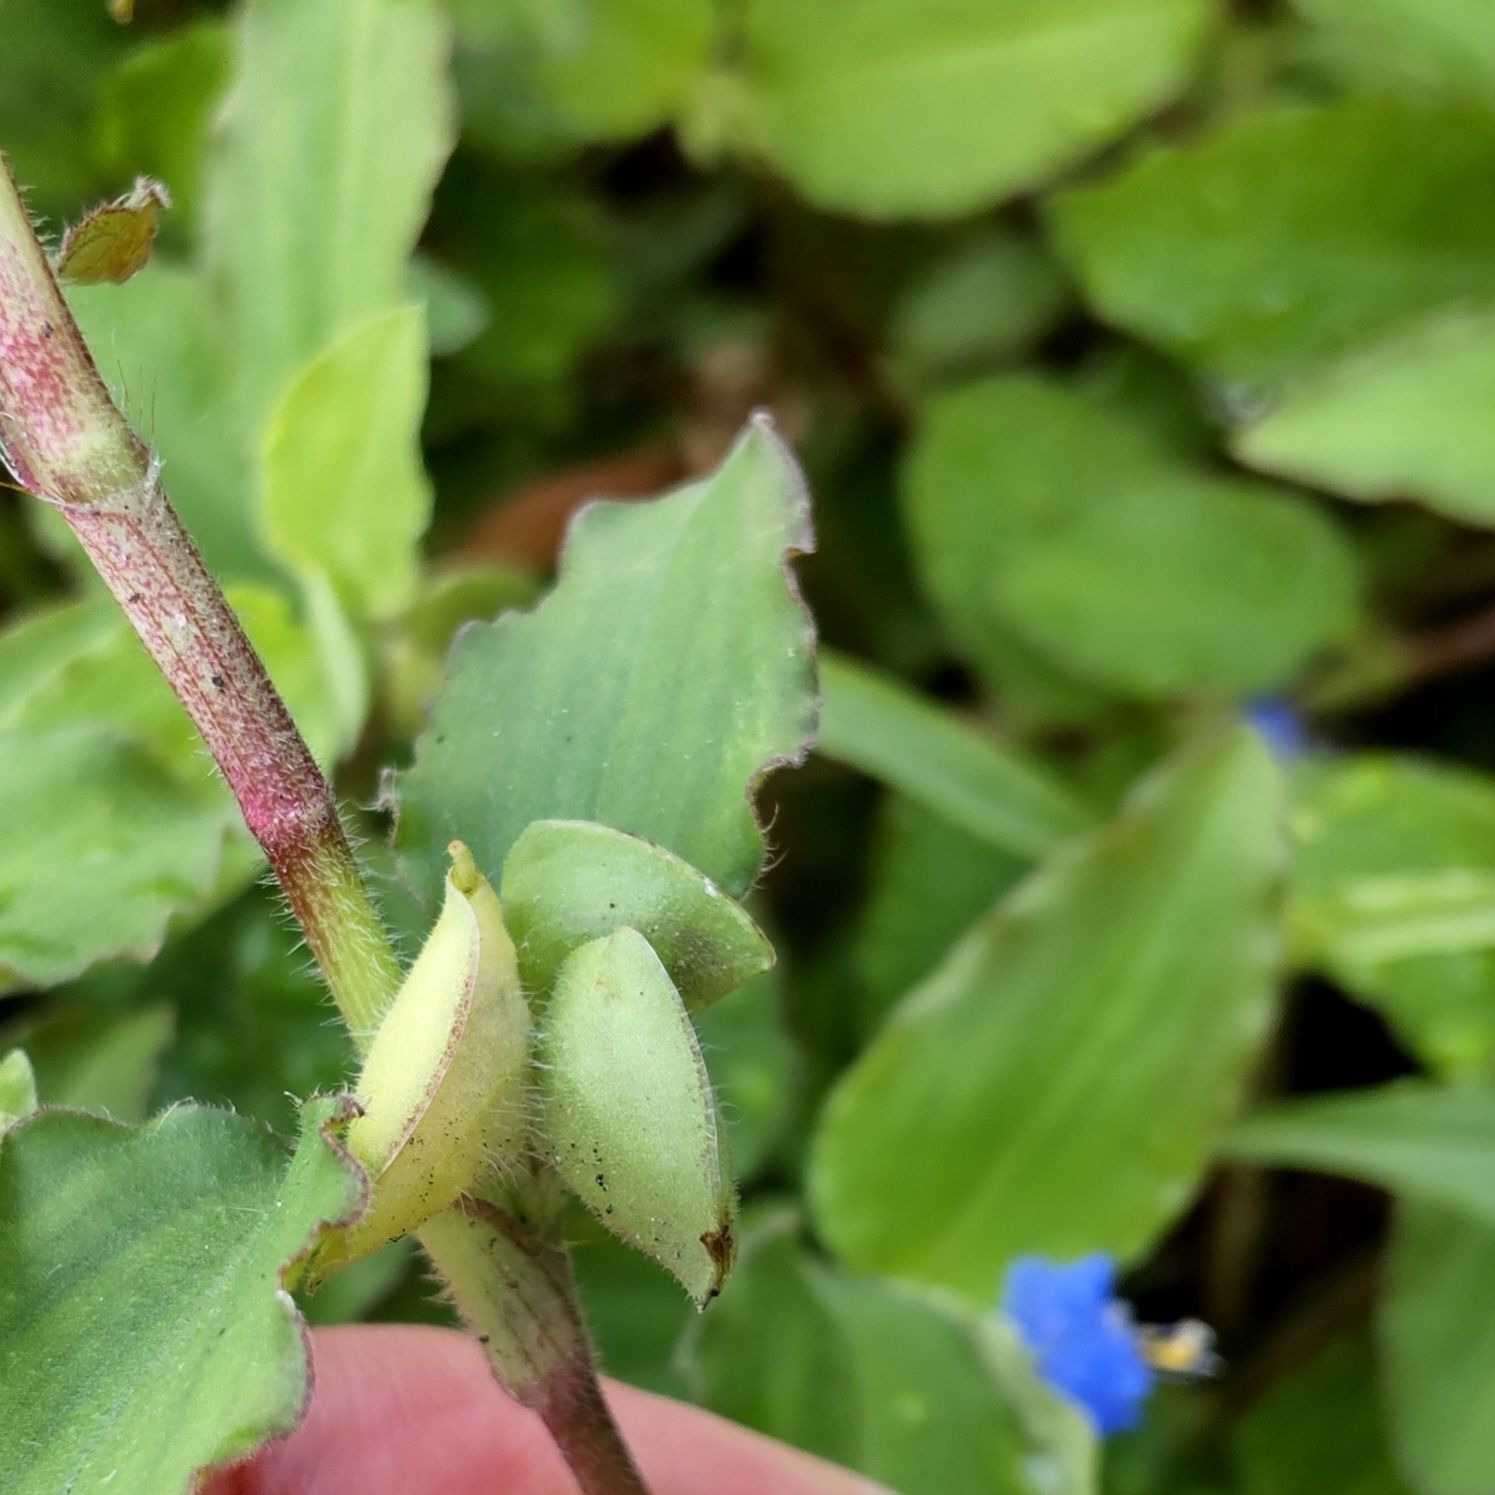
(112, 242)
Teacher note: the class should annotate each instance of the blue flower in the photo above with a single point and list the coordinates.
(1081, 1337)
(1280, 724)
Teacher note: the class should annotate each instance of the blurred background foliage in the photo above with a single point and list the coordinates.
(1141, 355)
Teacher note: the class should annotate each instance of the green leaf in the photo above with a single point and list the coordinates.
(54, 61)
(1055, 1085)
(43, 641)
(620, 68)
(977, 783)
(1392, 895)
(255, 1026)
(1416, 1139)
(1288, 237)
(1438, 1350)
(102, 847)
(83, 665)
(159, 342)
(755, 1069)
(413, 653)
(986, 302)
(887, 1380)
(342, 490)
(568, 882)
(144, 1332)
(456, 311)
(1318, 1429)
(157, 107)
(929, 883)
(1446, 48)
(889, 109)
(17, 1087)
(667, 671)
(332, 136)
(630, 1122)
(1038, 514)
(1403, 418)
(105, 1063)
(542, 260)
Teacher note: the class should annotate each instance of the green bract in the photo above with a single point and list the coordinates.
(568, 882)
(443, 1083)
(629, 1118)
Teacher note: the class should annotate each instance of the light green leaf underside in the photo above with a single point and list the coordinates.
(1392, 895)
(888, 109)
(883, 1379)
(1438, 1350)
(1427, 1142)
(1036, 513)
(977, 783)
(333, 134)
(1404, 418)
(143, 1331)
(567, 882)
(1284, 239)
(664, 673)
(342, 491)
(1055, 1085)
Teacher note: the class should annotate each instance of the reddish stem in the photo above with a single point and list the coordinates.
(68, 444)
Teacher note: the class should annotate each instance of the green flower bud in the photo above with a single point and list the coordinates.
(569, 881)
(630, 1120)
(443, 1086)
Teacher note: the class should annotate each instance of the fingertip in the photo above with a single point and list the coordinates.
(415, 1409)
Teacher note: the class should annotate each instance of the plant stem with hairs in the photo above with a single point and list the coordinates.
(67, 443)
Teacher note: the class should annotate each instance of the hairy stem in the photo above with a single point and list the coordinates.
(66, 441)
(68, 444)
(514, 1289)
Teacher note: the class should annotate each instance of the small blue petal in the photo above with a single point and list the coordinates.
(1280, 724)
(1081, 1338)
